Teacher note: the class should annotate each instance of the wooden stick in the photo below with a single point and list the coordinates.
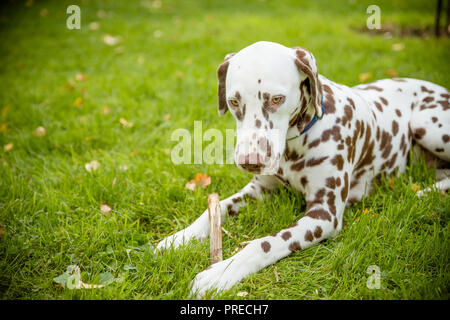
(215, 230)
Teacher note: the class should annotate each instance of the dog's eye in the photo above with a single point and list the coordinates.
(277, 99)
(234, 102)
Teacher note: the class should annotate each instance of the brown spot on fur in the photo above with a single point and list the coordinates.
(309, 236)
(298, 166)
(439, 150)
(330, 182)
(265, 246)
(378, 105)
(446, 138)
(304, 181)
(424, 89)
(295, 246)
(398, 112)
(319, 214)
(315, 161)
(428, 99)
(258, 123)
(344, 191)
(372, 88)
(286, 235)
(394, 127)
(318, 232)
(384, 101)
(419, 133)
(338, 161)
(434, 119)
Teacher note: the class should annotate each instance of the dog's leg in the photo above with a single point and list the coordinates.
(199, 229)
(323, 219)
(443, 175)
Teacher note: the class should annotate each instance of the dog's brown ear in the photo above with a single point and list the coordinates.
(221, 90)
(306, 64)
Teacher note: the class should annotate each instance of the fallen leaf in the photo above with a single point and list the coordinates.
(3, 127)
(398, 46)
(39, 132)
(391, 73)
(191, 185)
(80, 77)
(391, 182)
(125, 123)
(8, 147)
(200, 179)
(203, 179)
(242, 294)
(415, 187)
(134, 152)
(5, 111)
(94, 25)
(276, 274)
(78, 102)
(92, 166)
(106, 110)
(111, 40)
(166, 117)
(364, 77)
(105, 209)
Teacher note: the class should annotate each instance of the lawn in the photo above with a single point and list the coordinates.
(119, 103)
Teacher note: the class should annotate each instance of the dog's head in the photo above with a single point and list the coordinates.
(268, 88)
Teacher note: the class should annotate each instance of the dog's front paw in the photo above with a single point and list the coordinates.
(216, 278)
(225, 274)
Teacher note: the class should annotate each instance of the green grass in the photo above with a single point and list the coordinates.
(50, 205)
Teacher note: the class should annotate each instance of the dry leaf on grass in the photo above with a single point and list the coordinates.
(415, 187)
(200, 179)
(92, 166)
(78, 102)
(5, 111)
(111, 40)
(3, 127)
(391, 73)
(8, 147)
(39, 132)
(364, 77)
(80, 77)
(94, 25)
(242, 294)
(105, 209)
(276, 274)
(125, 123)
(398, 46)
(106, 110)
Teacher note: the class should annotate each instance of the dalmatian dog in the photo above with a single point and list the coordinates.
(324, 139)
